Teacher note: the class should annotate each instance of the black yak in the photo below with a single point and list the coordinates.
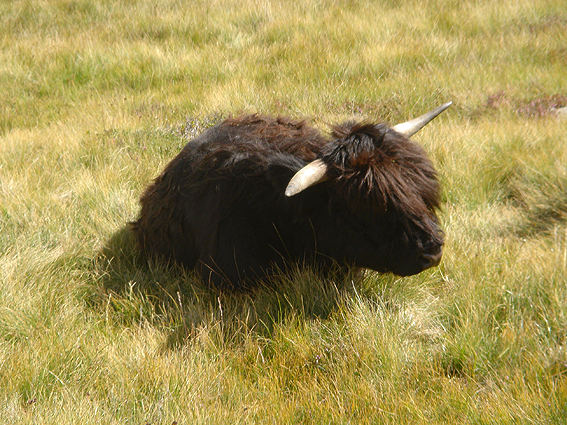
(255, 194)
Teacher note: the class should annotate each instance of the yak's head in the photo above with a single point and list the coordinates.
(383, 194)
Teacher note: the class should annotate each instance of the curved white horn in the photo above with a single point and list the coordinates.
(313, 173)
(409, 128)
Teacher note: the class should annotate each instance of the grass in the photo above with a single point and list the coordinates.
(98, 96)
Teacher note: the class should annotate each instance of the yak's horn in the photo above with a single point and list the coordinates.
(409, 128)
(313, 173)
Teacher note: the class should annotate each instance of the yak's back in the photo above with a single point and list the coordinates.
(233, 166)
(261, 134)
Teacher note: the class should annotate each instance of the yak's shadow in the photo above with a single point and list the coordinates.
(173, 298)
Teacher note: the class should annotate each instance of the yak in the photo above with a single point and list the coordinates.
(256, 194)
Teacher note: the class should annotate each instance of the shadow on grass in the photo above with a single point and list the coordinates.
(170, 297)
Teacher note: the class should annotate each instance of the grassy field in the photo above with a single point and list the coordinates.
(96, 97)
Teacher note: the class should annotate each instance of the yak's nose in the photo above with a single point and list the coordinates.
(432, 257)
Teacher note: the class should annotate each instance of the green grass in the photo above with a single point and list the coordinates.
(96, 97)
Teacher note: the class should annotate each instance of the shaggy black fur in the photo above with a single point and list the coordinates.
(220, 204)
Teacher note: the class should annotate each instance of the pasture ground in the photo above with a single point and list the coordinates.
(96, 97)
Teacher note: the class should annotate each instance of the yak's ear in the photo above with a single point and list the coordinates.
(409, 128)
(313, 173)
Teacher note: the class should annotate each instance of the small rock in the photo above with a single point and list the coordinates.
(561, 113)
